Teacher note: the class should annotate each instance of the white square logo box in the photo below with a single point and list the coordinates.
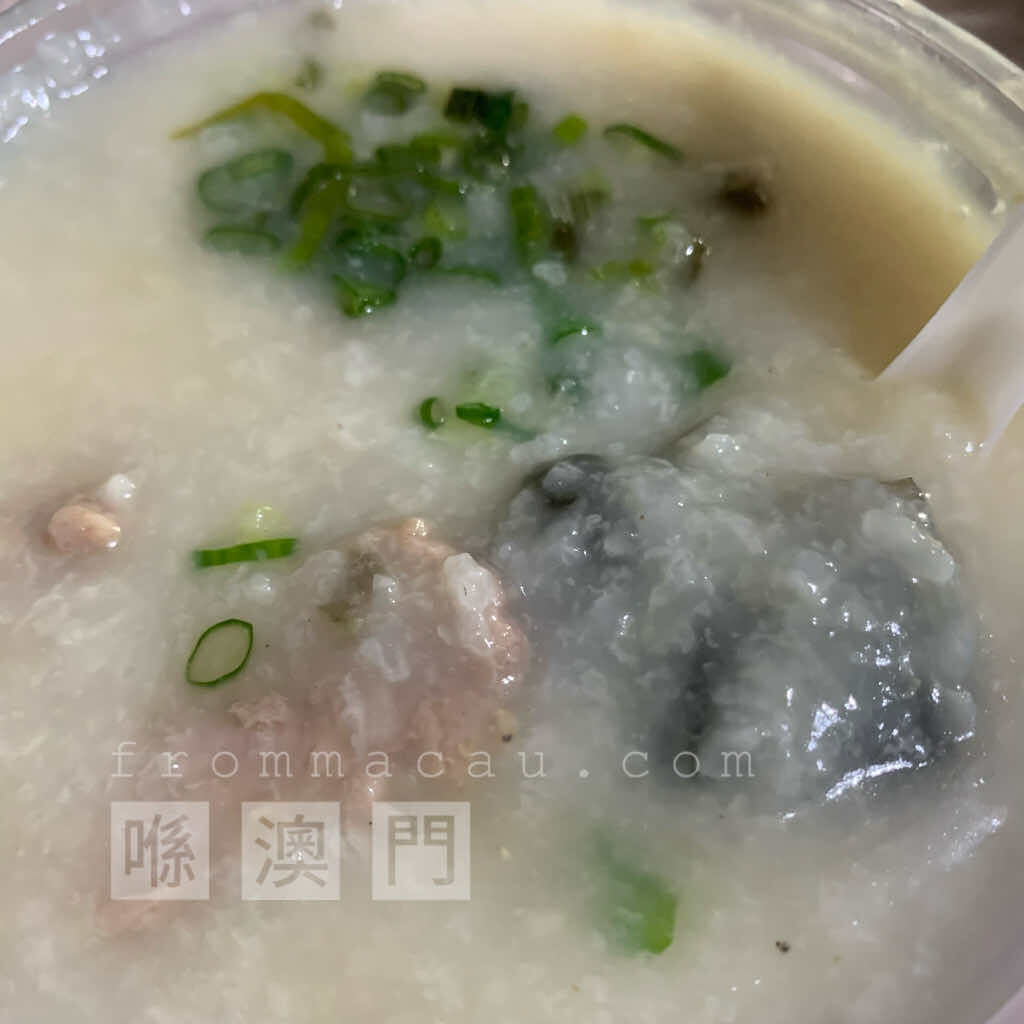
(291, 851)
(159, 850)
(420, 851)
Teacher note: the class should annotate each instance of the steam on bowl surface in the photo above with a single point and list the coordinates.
(455, 559)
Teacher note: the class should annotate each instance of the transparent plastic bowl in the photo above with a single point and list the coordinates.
(941, 86)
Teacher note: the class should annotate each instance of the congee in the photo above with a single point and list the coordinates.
(470, 407)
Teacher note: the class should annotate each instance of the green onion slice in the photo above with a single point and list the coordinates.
(249, 241)
(531, 221)
(421, 154)
(252, 551)
(376, 199)
(319, 213)
(479, 414)
(495, 112)
(336, 142)
(393, 92)
(637, 909)
(312, 181)
(652, 142)
(488, 158)
(426, 253)
(706, 368)
(220, 653)
(570, 130)
(367, 263)
(654, 224)
(623, 270)
(572, 326)
(251, 182)
(358, 298)
(446, 217)
(431, 412)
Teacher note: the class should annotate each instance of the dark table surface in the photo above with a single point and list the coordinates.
(998, 22)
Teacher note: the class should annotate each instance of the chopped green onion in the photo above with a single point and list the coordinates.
(706, 368)
(431, 413)
(253, 181)
(426, 253)
(319, 214)
(315, 178)
(652, 142)
(248, 241)
(493, 111)
(368, 274)
(220, 653)
(428, 150)
(487, 158)
(571, 326)
(465, 105)
(310, 75)
(378, 200)
(744, 193)
(393, 92)
(688, 251)
(654, 225)
(361, 258)
(471, 271)
(448, 187)
(358, 298)
(446, 217)
(637, 910)
(252, 551)
(336, 142)
(623, 270)
(570, 130)
(418, 155)
(531, 221)
(479, 414)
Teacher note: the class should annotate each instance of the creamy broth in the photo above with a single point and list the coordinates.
(202, 387)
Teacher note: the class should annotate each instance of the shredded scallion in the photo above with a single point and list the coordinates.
(251, 551)
(336, 142)
(644, 138)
